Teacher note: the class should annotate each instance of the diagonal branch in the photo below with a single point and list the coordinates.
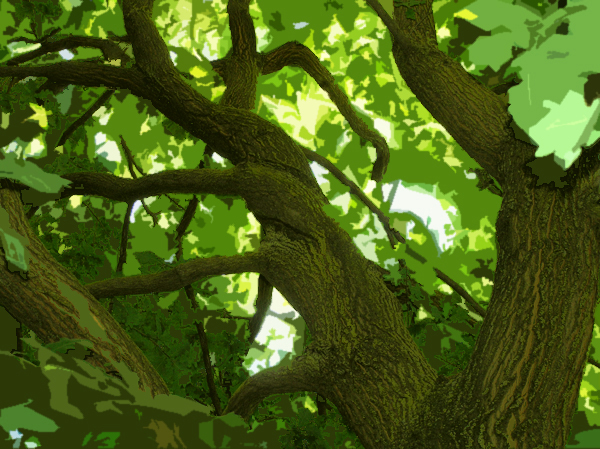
(392, 26)
(85, 116)
(483, 128)
(462, 292)
(53, 303)
(191, 294)
(393, 235)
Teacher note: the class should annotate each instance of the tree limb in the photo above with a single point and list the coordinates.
(215, 181)
(302, 375)
(294, 54)
(483, 130)
(393, 235)
(61, 306)
(178, 277)
(149, 49)
(82, 73)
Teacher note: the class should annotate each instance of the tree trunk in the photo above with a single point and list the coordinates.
(521, 386)
(522, 383)
(54, 305)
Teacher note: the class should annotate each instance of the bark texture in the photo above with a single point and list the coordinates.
(54, 304)
(521, 386)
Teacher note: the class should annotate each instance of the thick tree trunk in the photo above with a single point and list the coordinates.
(521, 386)
(522, 383)
(54, 305)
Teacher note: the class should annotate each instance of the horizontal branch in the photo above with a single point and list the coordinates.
(110, 50)
(82, 73)
(213, 181)
(177, 277)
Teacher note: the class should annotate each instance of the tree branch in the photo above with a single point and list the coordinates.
(110, 50)
(82, 73)
(392, 26)
(483, 129)
(61, 306)
(262, 305)
(462, 292)
(302, 375)
(85, 116)
(215, 181)
(294, 54)
(393, 235)
(179, 276)
(150, 51)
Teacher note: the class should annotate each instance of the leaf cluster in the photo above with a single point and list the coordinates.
(83, 251)
(445, 311)
(33, 9)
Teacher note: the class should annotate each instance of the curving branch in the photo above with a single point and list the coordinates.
(302, 375)
(131, 164)
(295, 54)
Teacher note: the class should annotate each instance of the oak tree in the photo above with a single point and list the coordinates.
(519, 385)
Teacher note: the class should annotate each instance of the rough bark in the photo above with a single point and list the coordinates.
(53, 304)
(521, 386)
